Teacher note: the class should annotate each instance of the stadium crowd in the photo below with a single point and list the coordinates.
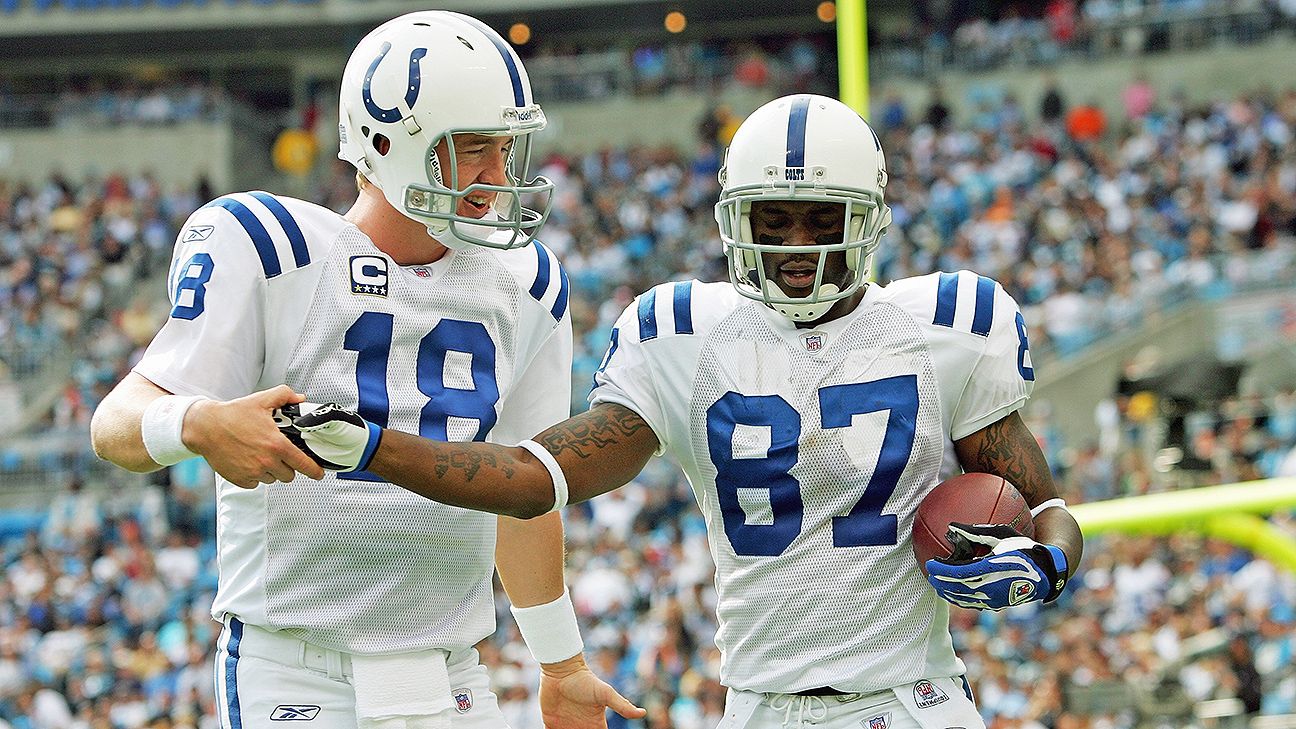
(99, 103)
(71, 255)
(967, 36)
(104, 608)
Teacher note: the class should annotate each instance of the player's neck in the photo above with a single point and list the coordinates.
(405, 240)
(838, 310)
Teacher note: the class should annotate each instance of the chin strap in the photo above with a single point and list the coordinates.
(444, 231)
(801, 312)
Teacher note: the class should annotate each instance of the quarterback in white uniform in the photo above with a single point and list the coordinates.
(429, 308)
(811, 412)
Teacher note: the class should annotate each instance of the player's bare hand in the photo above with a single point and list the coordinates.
(572, 697)
(242, 442)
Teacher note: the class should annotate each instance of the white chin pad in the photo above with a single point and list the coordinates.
(797, 311)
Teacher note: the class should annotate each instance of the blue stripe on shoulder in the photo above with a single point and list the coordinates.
(983, 314)
(541, 283)
(683, 307)
(946, 299)
(560, 306)
(648, 315)
(540, 286)
(301, 255)
(256, 231)
(231, 673)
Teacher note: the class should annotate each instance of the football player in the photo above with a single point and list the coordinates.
(811, 412)
(428, 307)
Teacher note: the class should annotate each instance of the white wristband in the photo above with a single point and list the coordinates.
(555, 473)
(162, 425)
(1049, 504)
(550, 630)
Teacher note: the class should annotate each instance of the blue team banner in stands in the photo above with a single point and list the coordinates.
(15, 6)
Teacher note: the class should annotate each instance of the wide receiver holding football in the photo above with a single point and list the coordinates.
(811, 412)
(429, 308)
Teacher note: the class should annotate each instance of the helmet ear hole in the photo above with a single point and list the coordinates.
(382, 145)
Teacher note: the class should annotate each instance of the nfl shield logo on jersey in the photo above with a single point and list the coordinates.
(926, 695)
(813, 342)
(463, 700)
(881, 721)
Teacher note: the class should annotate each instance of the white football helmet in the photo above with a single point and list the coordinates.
(802, 148)
(422, 77)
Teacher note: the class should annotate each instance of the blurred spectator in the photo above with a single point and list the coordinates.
(1052, 104)
(893, 116)
(938, 113)
(1138, 97)
(752, 69)
(1086, 122)
(1242, 662)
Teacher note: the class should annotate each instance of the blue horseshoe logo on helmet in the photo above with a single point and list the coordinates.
(411, 89)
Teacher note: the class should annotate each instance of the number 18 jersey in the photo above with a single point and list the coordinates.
(475, 346)
(809, 450)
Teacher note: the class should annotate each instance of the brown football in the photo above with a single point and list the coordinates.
(972, 498)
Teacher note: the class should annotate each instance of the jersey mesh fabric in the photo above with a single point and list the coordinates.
(855, 618)
(368, 567)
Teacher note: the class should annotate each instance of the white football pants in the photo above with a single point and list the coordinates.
(264, 680)
(938, 703)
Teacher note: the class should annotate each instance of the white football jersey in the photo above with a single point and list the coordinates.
(809, 451)
(476, 346)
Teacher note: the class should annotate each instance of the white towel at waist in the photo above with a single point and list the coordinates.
(401, 685)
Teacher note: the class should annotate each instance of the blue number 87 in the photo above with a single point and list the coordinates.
(865, 525)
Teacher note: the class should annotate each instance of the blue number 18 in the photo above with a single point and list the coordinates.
(370, 337)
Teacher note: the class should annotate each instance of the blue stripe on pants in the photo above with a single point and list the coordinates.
(231, 673)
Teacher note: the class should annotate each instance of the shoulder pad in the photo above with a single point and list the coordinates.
(276, 234)
(542, 275)
(961, 301)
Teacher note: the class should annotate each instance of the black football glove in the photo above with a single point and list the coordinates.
(335, 438)
(1013, 569)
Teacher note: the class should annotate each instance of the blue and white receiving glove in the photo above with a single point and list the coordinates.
(1017, 569)
(336, 438)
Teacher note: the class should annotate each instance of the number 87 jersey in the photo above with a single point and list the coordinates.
(809, 450)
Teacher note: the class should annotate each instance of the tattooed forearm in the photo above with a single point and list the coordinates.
(585, 434)
(597, 452)
(1008, 449)
(470, 464)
